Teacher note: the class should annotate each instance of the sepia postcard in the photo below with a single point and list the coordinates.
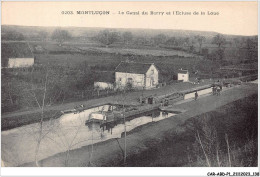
(129, 84)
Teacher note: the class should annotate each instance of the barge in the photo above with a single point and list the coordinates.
(104, 117)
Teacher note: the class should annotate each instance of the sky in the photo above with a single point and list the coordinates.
(238, 18)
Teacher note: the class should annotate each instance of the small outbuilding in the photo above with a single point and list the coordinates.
(183, 75)
(16, 55)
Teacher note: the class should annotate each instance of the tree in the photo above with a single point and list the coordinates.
(217, 55)
(205, 52)
(43, 35)
(41, 104)
(200, 40)
(13, 35)
(129, 86)
(186, 41)
(171, 41)
(219, 40)
(107, 37)
(250, 48)
(128, 37)
(60, 36)
(159, 39)
(141, 41)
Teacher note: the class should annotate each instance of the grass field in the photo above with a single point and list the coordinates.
(149, 52)
(79, 55)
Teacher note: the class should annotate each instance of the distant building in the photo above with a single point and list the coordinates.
(139, 75)
(16, 55)
(183, 75)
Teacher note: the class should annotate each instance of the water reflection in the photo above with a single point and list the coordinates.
(131, 122)
(67, 132)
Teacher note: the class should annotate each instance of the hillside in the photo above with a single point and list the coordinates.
(91, 31)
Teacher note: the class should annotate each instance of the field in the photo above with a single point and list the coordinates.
(73, 72)
(143, 52)
(106, 59)
(74, 65)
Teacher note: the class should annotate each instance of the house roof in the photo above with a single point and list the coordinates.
(183, 71)
(14, 50)
(133, 67)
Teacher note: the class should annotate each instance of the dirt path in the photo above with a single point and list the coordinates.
(108, 153)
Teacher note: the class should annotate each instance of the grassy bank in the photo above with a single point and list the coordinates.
(13, 122)
(235, 123)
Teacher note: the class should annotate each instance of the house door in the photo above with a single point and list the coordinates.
(148, 82)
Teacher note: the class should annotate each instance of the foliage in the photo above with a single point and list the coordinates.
(43, 35)
(108, 37)
(129, 86)
(128, 37)
(219, 40)
(217, 55)
(63, 84)
(200, 40)
(159, 39)
(221, 137)
(61, 36)
(180, 147)
(13, 36)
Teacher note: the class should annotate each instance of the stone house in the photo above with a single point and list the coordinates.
(138, 75)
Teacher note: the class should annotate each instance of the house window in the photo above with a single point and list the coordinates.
(120, 79)
(152, 71)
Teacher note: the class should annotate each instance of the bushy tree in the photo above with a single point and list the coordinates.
(219, 40)
(200, 40)
(43, 35)
(128, 37)
(60, 36)
(159, 39)
(13, 36)
(108, 37)
(171, 41)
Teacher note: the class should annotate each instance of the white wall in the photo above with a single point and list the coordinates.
(152, 77)
(151, 80)
(20, 62)
(184, 77)
(103, 85)
(137, 79)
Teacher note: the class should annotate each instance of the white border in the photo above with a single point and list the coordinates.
(120, 171)
(140, 171)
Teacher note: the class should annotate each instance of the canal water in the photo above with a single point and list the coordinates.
(66, 133)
